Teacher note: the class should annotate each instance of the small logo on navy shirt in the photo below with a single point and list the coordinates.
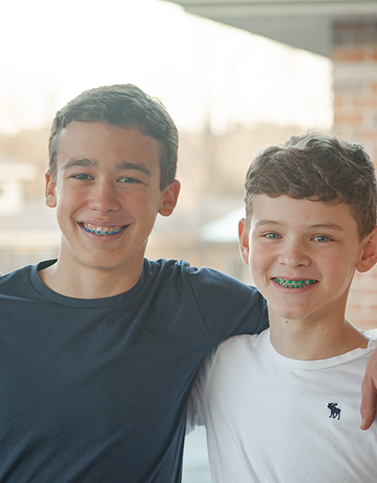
(149, 335)
(334, 411)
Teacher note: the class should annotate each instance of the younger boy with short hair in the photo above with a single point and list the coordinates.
(283, 406)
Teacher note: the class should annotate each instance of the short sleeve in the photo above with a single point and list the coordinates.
(228, 306)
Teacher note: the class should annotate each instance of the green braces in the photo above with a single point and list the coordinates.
(293, 283)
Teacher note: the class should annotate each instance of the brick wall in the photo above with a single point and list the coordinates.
(354, 54)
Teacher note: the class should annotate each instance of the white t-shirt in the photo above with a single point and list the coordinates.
(273, 419)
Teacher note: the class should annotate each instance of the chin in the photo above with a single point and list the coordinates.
(292, 314)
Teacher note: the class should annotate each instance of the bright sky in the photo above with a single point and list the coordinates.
(51, 51)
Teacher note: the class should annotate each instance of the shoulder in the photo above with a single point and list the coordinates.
(243, 342)
(21, 282)
(242, 348)
(236, 350)
(228, 359)
(15, 278)
(183, 267)
(202, 279)
(223, 304)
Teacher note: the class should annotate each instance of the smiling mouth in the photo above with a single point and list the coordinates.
(288, 283)
(102, 230)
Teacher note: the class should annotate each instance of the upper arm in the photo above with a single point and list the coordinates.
(228, 307)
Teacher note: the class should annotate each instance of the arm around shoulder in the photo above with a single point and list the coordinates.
(369, 388)
(229, 307)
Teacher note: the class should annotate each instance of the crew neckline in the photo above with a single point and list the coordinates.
(318, 363)
(55, 297)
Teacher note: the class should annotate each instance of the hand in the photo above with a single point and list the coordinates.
(369, 392)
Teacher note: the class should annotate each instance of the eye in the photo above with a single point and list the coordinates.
(82, 176)
(128, 180)
(321, 238)
(272, 236)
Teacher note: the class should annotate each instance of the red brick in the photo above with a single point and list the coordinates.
(348, 119)
(366, 135)
(347, 26)
(367, 101)
(338, 102)
(355, 102)
(348, 55)
(349, 87)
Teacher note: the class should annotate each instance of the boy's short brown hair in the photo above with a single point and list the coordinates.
(317, 166)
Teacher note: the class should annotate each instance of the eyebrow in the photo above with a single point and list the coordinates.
(266, 222)
(318, 226)
(121, 166)
(80, 162)
(327, 226)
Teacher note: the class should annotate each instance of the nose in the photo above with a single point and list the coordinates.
(294, 254)
(103, 197)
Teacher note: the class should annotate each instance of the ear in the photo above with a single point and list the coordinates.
(369, 252)
(243, 238)
(170, 198)
(50, 190)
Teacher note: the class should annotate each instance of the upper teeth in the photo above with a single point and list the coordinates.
(102, 230)
(285, 282)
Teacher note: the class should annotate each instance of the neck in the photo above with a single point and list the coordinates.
(88, 283)
(310, 340)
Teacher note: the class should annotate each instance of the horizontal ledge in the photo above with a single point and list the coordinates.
(292, 9)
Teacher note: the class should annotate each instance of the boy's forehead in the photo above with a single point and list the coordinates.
(283, 208)
(99, 139)
(262, 199)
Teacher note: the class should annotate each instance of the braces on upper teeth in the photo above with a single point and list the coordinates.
(105, 231)
(293, 283)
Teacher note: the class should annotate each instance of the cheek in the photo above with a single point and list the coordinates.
(144, 202)
(338, 269)
(259, 260)
(70, 201)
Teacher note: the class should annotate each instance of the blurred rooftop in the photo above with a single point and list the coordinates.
(305, 24)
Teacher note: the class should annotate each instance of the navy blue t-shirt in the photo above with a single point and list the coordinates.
(95, 391)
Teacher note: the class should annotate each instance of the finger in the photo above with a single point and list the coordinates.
(368, 404)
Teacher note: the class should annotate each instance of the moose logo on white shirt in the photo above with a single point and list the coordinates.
(335, 412)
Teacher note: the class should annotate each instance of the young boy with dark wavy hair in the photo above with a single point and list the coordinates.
(283, 406)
